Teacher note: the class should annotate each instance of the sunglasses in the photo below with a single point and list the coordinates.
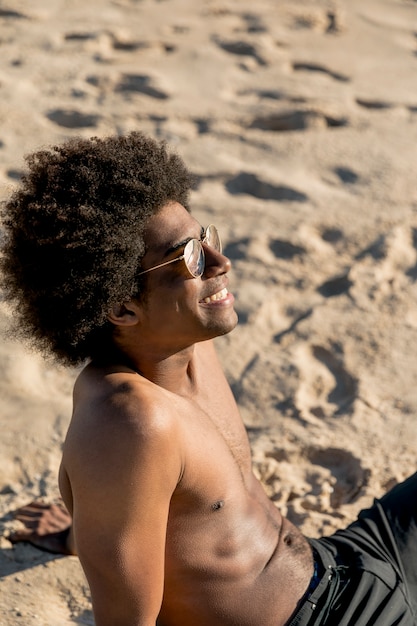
(193, 255)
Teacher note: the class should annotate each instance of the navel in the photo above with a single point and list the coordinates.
(219, 504)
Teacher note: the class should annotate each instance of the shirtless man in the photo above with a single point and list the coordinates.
(105, 263)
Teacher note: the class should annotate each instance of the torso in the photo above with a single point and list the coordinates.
(231, 558)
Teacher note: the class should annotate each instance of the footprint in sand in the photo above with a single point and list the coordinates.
(284, 249)
(330, 22)
(203, 125)
(10, 14)
(267, 94)
(377, 105)
(253, 185)
(238, 249)
(253, 23)
(412, 271)
(71, 118)
(383, 267)
(78, 36)
(332, 235)
(335, 286)
(346, 473)
(316, 67)
(240, 48)
(14, 174)
(312, 478)
(346, 175)
(140, 83)
(296, 119)
(327, 389)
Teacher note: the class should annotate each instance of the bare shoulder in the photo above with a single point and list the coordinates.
(117, 416)
(119, 395)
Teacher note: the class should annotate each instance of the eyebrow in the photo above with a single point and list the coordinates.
(182, 244)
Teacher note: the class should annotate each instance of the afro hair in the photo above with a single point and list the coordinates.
(73, 236)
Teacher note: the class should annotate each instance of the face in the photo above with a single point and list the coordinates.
(179, 310)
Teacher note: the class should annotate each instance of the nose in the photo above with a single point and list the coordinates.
(216, 262)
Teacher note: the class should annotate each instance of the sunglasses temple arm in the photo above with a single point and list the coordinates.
(179, 258)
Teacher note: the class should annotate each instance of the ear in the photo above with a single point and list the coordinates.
(125, 314)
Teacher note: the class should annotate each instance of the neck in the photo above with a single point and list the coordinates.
(174, 372)
(171, 370)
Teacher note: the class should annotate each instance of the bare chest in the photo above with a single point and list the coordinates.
(217, 434)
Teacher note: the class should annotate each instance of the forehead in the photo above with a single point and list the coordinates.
(172, 224)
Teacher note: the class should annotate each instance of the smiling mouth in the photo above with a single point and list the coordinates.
(220, 295)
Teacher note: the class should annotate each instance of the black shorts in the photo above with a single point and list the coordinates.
(368, 572)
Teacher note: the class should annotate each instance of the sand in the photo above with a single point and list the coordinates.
(299, 119)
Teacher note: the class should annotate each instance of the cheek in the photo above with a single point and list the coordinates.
(183, 306)
(172, 301)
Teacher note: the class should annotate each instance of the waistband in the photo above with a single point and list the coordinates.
(326, 582)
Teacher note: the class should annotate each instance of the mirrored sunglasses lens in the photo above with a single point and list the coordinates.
(194, 257)
(213, 238)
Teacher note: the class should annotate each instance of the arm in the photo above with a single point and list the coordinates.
(122, 477)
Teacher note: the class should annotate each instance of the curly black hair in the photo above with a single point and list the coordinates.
(73, 236)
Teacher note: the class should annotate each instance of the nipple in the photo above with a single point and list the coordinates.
(219, 504)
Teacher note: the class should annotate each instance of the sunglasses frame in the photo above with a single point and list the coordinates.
(191, 243)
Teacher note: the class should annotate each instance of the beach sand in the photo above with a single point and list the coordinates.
(299, 119)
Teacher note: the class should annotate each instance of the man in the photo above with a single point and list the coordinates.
(104, 262)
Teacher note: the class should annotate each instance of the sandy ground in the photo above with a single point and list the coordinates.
(300, 120)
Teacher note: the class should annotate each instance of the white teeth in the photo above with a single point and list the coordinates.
(217, 296)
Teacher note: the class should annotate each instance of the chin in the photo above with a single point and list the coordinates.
(219, 328)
